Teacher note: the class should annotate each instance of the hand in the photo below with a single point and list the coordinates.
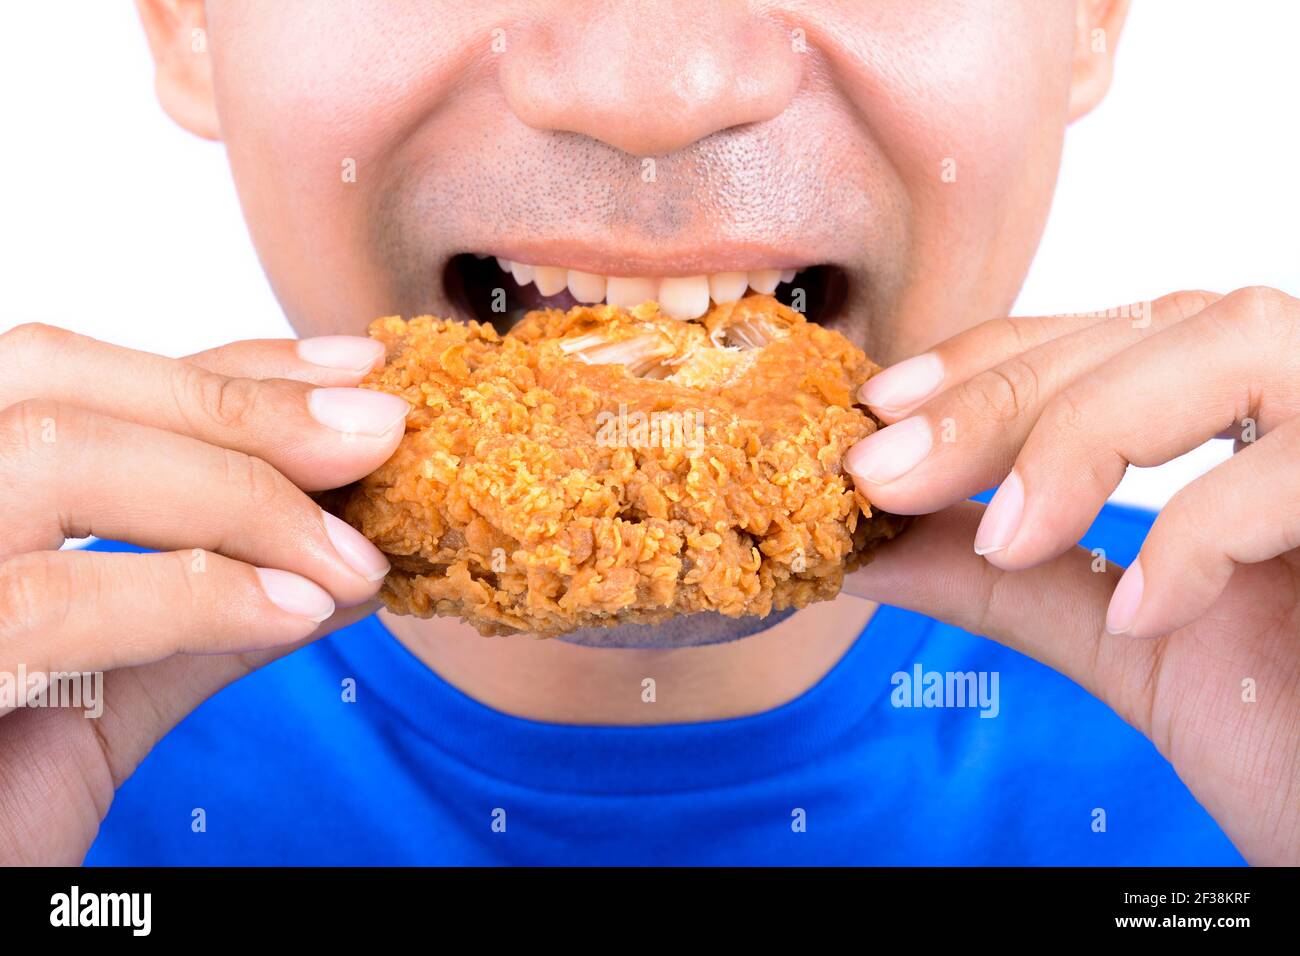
(206, 460)
(1055, 409)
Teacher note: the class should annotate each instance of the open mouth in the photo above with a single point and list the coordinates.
(499, 291)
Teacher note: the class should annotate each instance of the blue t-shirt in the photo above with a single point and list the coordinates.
(414, 772)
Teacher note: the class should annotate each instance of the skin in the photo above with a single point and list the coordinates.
(936, 132)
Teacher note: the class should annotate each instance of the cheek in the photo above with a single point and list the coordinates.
(314, 100)
(966, 90)
(968, 102)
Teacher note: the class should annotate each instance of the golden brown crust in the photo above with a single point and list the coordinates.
(535, 491)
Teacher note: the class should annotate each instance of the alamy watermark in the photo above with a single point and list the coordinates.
(133, 911)
(77, 690)
(922, 688)
(1138, 314)
(671, 429)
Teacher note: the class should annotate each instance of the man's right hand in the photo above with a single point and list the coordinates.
(207, 460)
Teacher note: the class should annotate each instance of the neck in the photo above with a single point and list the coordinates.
(564, 683)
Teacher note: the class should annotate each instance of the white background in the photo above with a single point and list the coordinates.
(116, 223)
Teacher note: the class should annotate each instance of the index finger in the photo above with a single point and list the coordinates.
(966, 437)
(318, 437)
(901, 388)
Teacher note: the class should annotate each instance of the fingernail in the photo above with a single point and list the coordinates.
(296, 595)
(891, 452)
(352, 353)
(904, 385)
(1126, 600)
(355, 549)
(1001, 517)
(357, 410)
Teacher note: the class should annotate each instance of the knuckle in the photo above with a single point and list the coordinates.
(1003, 393)
(1065, 412)
(1010, 332)
(29, 341)
(257, 482)
(1259, 297)
(30, 428)
(228, 404)
(1173, 517)
(1185, 303)
(1180, 528)
(1268, 308)
(1252, 318)
(34, 592)
(178, 574)
(1032, 331)
(1070, 422)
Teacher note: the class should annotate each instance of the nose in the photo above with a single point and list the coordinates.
(649, 78)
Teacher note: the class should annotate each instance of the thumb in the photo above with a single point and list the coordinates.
(1054, 612)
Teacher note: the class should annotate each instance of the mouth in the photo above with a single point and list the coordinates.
(499, 291)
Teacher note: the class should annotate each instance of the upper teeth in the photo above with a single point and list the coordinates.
(682, 297)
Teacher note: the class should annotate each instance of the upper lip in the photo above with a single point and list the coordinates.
(643, 260)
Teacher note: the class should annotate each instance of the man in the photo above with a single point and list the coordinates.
(905, 153)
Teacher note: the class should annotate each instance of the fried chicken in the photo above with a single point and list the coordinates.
(604, 466)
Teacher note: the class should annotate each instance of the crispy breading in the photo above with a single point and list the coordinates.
(604, 466)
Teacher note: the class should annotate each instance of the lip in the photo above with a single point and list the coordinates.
(641, 260)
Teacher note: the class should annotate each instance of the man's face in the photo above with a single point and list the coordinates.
(910, 145)
(902, 151)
